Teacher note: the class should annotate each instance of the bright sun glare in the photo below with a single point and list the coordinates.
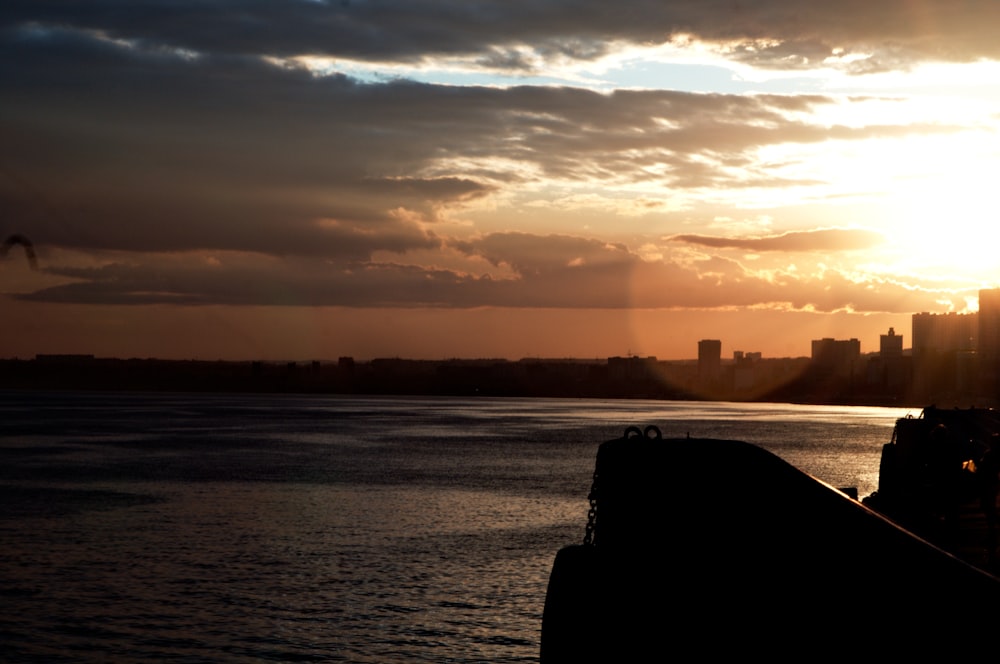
(945, 218)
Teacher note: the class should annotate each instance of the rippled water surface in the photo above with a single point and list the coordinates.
(219, 528)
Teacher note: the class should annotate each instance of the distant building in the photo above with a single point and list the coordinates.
(745, 370)
(891, 345)
(945, 362)
(835, 351)
(837, 356)
(943, 333)
(64, 357)
(892, 370)
(709, 359)
(989, 325)
(989, 339)
(632, 368)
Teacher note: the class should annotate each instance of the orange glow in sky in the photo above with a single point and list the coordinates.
(492, 180)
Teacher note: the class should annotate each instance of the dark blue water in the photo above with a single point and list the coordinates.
(194, 528)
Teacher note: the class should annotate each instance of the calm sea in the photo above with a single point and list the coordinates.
(219, 528)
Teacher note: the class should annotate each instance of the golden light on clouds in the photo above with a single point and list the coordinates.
(658, 173)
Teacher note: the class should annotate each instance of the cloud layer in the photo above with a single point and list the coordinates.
(522, 35)
(196, 154)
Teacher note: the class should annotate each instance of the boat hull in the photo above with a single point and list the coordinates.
(696, 534)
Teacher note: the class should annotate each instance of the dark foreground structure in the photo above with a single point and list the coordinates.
(720, 547)
(939, 477)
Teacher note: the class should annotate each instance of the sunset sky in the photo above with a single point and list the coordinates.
(492, 178)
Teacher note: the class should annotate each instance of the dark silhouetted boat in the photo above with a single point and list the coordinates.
(938, 478)
(702, 547)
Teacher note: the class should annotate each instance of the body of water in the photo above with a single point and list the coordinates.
(244, 528)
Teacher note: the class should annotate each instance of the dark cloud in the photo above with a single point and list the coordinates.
(555, 272)
(775, 33)
(534, 254)
(108, 148)
(118, 142)
(825, 239)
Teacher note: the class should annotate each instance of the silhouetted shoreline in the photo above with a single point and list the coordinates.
(790, 380)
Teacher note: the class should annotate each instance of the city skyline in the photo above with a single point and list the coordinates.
(953, 358)
(240, 181)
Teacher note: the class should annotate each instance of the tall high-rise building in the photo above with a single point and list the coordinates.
(891, 345)
(944, 358)
(890, 361)
(943, 333)
(988, 349)
(709, 359)
(989, 325)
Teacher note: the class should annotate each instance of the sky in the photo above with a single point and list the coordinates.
(305, 180)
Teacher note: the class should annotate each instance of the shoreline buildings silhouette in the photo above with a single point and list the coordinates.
(953, 359)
